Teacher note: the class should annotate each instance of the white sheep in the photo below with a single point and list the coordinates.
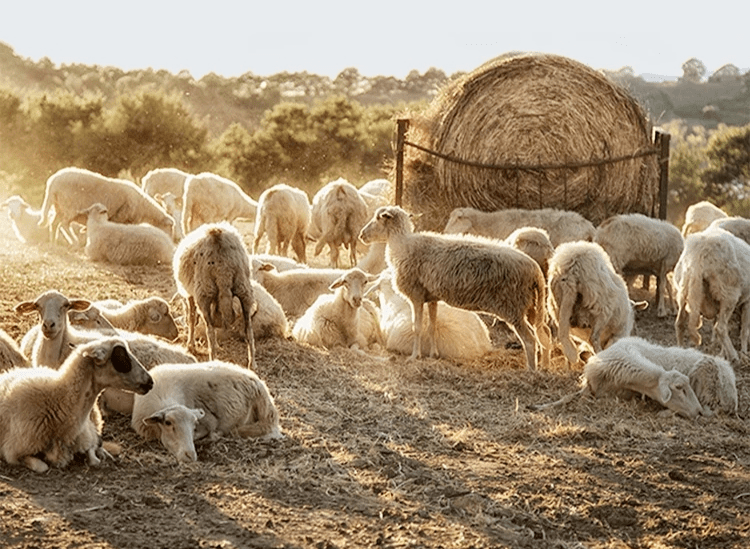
(284, 216)
(91, 319)
(124, 244)
(378, 187)
(295, 289)
(211, 267)
(637, 244)
(53, 413)
(164, 180)
(561, 225)
(279, 263)
(624, 368)
(699, 216)
(10, 353)
(535, 243)
(71, 190)
(466, 272)
(210, 198)
(27, 222)
(738, 226)
(172, 204)
(209, 399)
(334, 319)
(711, 280)
(338, 213)
(150, 315)
(587, 298)
(461, 334)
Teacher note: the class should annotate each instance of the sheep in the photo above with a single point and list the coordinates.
(284, 215)
(461, 334)
(71, 190)
(699, 216)
(587, 298)
(53, 412)
(561, 225)
(378, 187)
(466, 272)
(333, 319)
(373, 261)
(10, 353)
(27, 222)
(91, 320)
(164, 180)
(209, 399)
(628, 366)
(172, 204)
(738, 226)
(279, 263)
(337, 215)
(210, 198)
(123, 244)
(711, 281)
(147, 316)
(637, 244)
(210, 267)
(296, 289)
(535, 243)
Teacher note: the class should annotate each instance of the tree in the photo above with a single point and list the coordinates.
(725, 73)
(727, 176)
(693, 70)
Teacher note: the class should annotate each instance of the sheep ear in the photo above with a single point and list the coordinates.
(199, 413)
(639, 305)
(100, 354)
(415, 216)
(266, 267)
(25, 307)
(79, 304)
(154, 419)
(121, 359)
(337, 284)
(385, 214)
(665, 391)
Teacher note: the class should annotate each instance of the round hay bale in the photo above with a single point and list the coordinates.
(533, 111)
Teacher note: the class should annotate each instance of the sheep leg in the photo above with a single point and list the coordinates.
(721, 328)
(191, 323)
(544, 340)
(680, 325)
(563, 328)
(525, 334)
(299, 247)
(204, 304)
(432, 315)
(745, 327)
(35, 464)
(417, 311)
(661, 297)
(247, 303)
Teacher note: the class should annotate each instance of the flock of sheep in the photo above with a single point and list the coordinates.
(549, 275)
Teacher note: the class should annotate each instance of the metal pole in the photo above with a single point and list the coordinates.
(403, 125)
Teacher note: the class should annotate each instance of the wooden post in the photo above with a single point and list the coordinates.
(403, 125)
(661, 140)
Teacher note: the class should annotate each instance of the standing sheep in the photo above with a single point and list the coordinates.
(711, 280)
(334, 319)
(624, 368)
(209, 399)
(587, 298)
(284, 215)
(738, 226)
(466, 272)
(637, 244)
(210, 198)
(164, 180)
(27, 223)
(172, 204)
(211, 267)
(124, 244)
(699, 216)
(535, 243)
(71, 190)
(338, 213)
(53, 412)
(561, 225)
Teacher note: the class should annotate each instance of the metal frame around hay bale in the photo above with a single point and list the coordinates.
(563, 134)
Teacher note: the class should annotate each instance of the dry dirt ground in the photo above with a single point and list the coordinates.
(381, 452)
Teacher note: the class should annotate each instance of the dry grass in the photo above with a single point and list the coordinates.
(531, 110)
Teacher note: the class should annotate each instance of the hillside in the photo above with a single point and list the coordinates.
(217, 101)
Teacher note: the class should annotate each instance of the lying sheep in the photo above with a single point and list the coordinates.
(460, 334)
(71, 190)
(209, 399)
(333, 319)
(637, 244)
(279, 263)
(210, 198)
(587, 298)
(10, 353)
(91, 319)
(47, 416)
(284, 216)
(535, 243)
(147, 316)
(561, 225)
(124, 244)
(466, 272)
(699, 216)
(738, 226)
(210, 268)
(27, 222)
(164, 180)
(338, 213)
(711, 280)
(296, 289)
(172, 204)
(624, 367)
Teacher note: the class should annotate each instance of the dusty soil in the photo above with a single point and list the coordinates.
(381, 452)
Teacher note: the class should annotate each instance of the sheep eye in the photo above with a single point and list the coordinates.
(168, 423)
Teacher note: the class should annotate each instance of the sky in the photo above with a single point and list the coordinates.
(379, 38)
